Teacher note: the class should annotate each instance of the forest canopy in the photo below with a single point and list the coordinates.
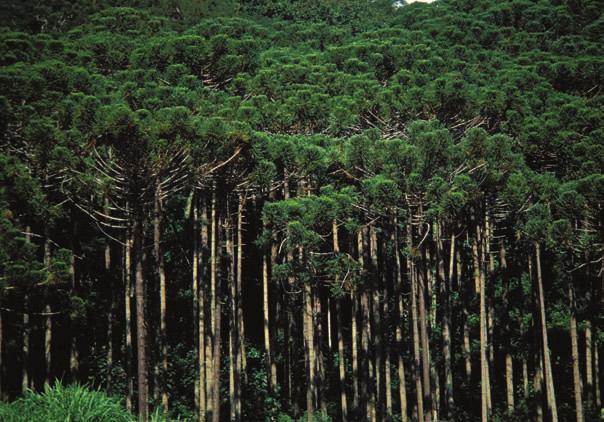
(265, 210)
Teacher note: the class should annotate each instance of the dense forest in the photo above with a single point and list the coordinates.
(306, 210)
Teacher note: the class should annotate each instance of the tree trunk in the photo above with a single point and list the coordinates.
(159, 261)
(309, 349)
(266, 320)
(446, 318)
(400, 323)
(199, 301)
(377, 410)
(240, 345)
(234, 342)
(319, 344)
(216, 261)
(589, 377)
(128, 316)
(538, 387)
(417, 374)
(211, 311)
(479, 281)
(525, 380)
(47, 317)
(340, 338)
(549, 378)
(268, 341)
(575, 353)
(597, 377)
(195, 297)
(110, 313)
(139, 256)
(425, 345)
(355, 348)
(466, 349)
(509, 364)
(25, 378)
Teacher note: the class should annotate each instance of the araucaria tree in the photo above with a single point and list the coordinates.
(352, 210)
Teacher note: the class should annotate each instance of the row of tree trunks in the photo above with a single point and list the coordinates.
(428, 273)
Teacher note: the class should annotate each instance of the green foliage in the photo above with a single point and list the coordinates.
(61, 403)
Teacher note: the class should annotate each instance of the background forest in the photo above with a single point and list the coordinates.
(325, 210)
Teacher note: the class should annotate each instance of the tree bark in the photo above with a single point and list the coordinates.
(211, 311)
(575, 353)
(128, 316)
(48, 317)
(110, 312)
(216, 261)
(425, 347)
(161, 273)
(415, 328)
(479, 281)
(509, 364)
(589, 377)
(309, 349)
(142, 378)
(340, 338)
(446, 292)
(377, 409)
(400, 322)
(25, 378)
(240, 345)
(549, 379)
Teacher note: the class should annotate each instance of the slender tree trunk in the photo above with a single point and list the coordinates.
(400, 323)
(575, 353)
(143, 387)
(128, 316)
(25, 376)
(341, 358)
(199, 239)
(377, 410)
(421, 294)
(211, 311)
(446, 319)
(110, 313)
(509, 365)
(589, 377)
(525, 379)
(479, 281)
(216, 260)
(538, 387)
(309, 348)
(355, 348)
(266, 320)
(466, 349)
(159, 261)
(242, 360)
(415, 328)
(234, 347)
(597, 376)
(318, 318)
(549, 379)
(268, 341)
(47, 317)
(195, 297)
(386, 328)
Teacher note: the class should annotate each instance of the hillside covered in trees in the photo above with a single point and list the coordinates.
(266, 210)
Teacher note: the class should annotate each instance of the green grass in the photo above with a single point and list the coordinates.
(71, 403)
